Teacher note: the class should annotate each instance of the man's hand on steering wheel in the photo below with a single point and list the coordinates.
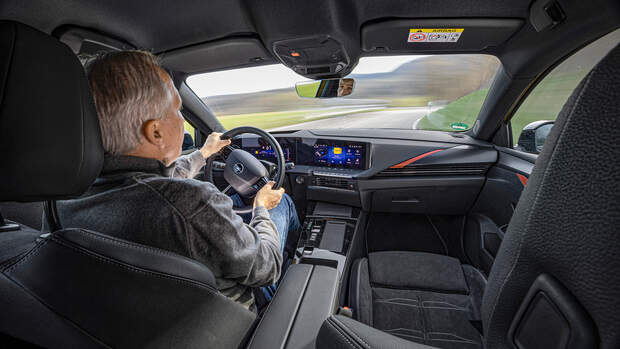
(213, 144)
(268, 197)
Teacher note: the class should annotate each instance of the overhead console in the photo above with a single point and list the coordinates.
(315, 57)
(464, 34)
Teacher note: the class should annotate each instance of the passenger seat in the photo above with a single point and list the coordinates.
(421, 297)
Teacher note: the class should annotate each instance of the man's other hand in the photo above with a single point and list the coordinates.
(213, 144)
(268, 197)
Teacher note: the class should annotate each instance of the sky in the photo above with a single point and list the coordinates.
(270, 77)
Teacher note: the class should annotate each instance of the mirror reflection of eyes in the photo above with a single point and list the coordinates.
(327, 88)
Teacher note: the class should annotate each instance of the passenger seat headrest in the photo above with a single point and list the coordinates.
(50, 140)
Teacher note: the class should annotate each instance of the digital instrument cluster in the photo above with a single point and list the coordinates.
(311, 152)
(263, 151)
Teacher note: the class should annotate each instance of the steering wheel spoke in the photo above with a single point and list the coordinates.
(228, 190)
(226, 151)
(218, 165)
(260, 183)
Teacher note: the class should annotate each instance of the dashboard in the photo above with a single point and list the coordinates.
(310, 151)
(411, 171)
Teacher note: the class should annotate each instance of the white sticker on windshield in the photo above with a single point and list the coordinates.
(434, 34)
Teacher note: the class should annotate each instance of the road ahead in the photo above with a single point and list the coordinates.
(398, 118)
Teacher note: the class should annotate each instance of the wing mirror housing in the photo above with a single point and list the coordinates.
(327, 88)
(533, 136)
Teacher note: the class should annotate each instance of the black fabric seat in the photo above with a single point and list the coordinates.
(422, 297)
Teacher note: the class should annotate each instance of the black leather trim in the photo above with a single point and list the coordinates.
(165, 304)
(318, 303)
(23, 313)
(277, 322)
(44, 91)
(136, 255)
(354, 287)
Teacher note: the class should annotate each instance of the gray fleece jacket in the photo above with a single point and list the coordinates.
(141, 200)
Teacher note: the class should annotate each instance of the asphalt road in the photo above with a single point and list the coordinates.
(398, 118)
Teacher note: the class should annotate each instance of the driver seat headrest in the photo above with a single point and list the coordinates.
(49, 131)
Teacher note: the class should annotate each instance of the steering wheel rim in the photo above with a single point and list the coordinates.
(278, 178)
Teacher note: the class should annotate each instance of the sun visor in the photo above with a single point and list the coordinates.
(433, 35)
(217, 55)
(85, 41)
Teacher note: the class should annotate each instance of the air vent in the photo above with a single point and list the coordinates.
(435, 170)
(332, 182)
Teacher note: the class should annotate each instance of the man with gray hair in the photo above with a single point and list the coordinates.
(146, 192)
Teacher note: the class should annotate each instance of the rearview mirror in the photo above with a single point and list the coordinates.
(327, 88)
(533, 136)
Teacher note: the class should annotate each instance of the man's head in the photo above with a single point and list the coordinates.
(138, 106)
(345, 87)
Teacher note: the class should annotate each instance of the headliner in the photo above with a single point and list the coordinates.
(164, 26)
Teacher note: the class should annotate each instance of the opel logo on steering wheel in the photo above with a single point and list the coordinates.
(238, 168)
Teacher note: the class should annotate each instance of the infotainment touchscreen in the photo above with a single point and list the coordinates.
(331, 154)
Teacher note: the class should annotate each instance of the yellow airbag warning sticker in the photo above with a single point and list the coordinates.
(434, 34)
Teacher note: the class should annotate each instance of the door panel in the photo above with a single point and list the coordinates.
(495, 205)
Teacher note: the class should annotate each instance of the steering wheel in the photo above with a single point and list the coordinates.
(242, 171)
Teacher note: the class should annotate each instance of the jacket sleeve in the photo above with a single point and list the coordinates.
(249, 254)
(188, 166)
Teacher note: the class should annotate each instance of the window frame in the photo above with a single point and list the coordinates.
(507, 122)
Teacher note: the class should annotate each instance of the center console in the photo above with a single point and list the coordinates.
(310, 291)
(326, 235)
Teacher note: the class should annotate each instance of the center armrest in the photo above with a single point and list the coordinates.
(305, 298)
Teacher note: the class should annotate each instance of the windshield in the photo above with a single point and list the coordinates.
(436, 92)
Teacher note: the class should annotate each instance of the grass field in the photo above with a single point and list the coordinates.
(463, 110)
(546, 101)
(308, 90)
(543, 103)
(270, 120)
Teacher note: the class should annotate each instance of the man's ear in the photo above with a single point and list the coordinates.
(153, 133)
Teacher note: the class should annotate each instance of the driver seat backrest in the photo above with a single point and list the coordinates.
(76, 288)
(556, 280)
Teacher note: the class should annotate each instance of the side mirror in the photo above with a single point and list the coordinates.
(327, 88)
(533, 136)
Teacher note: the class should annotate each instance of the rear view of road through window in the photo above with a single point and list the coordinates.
(432, 92)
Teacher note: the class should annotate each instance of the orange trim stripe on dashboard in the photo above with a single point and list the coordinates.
(522, 178)
(412, 160)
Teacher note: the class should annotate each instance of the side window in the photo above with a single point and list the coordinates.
(188, 138)
(533, 120)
